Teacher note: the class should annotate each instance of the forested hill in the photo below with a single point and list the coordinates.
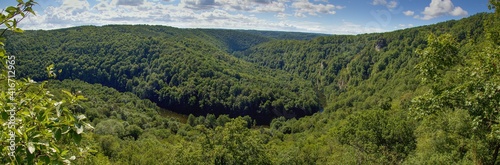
(240, 40)
(238, 72)
(363, 71)
(185, 70)
(423, 95)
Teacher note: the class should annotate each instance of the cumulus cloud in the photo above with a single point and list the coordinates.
(390, 5)
(198, 4)
(74, 7)
(75, 13)
(261, 1)
(408, 13)
(441, 7)
(253, 5)
(303, 7)
(458, 11)
(69, 13)
(236, 5)
(130, 2)
(379, 2)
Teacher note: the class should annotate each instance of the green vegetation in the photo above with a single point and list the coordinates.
(35, 128)
(364, 71)
(182, 70)
(425, 95)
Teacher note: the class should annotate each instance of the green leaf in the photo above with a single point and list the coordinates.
(81, 117)
(50, 71)
(65, 130)
(58, 134)
(67, 93)
(31, 147)
(79, 128)
(31, 128)
(11, 9)
(30, 157)
(30, 10)
(18, 30)
(45, 159)
(77, 138)
(64, 153)
(5, 116)
(58, 108)
(8, 24)
(88, 126)
(66, 161)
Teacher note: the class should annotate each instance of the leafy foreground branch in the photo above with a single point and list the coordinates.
(35, 128)
(39, 129)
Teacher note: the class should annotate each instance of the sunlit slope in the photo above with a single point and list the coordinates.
(184, 70)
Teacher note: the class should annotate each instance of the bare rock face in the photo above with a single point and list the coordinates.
(381, 43)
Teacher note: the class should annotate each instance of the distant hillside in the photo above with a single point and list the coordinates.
(285, 35)
(240, 40)
(360, 71)
(183, 70)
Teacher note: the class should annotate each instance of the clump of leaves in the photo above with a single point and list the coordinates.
(45, 130)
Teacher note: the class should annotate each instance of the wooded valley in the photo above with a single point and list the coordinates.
(423, 95)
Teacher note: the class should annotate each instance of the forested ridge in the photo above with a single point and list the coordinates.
(188, 71)
(364, 70)
(423, 95)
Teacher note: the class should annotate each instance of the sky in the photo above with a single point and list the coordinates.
(315, 16)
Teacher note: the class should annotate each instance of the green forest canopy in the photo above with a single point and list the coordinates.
(188, 71)
(364, 83)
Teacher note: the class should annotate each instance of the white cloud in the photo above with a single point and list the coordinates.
(379, 2)
(282, 15)
(390, 5)
(130, 2)
(69, 13)
(352, 28)
(303, 7)
(236, 5)
(261, 1)
(74, 7)
(198, 4)
(253, 5)
(403, 26)
(441, 7)
(408, 13)
(458, 11)
(80, 12)
(271, 7)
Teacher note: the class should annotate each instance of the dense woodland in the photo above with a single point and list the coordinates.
(423, 95)
(188, 71)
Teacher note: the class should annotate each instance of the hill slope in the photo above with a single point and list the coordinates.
(359, 72)
(183, 70)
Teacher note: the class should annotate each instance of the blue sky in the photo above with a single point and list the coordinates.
(319, 16)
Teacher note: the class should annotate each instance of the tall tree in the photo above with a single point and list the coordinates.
(470, 82)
